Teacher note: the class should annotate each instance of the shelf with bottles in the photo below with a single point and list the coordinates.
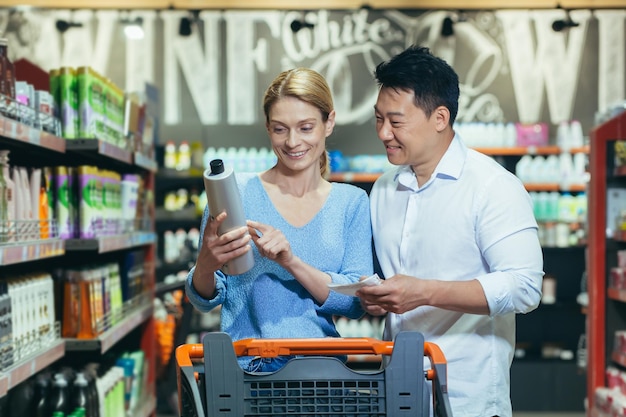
(530, 150)
(611, 399)
(134, 313)
(38, 239)
(531, 136)
(177, 252)
(561, 218)
(367, 168)
(35, 148)
(365, 177)
(22, 103)
(31, 364)
(118, 228)
(15, 130)
(607, 300)
(175, 268)
(179, 198)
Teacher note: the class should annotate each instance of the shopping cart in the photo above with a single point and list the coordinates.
(314, 383)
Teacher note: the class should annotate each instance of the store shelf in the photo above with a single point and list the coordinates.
(559, 305)
(555, 187)
(354, 176)
(619, 358)
(617, 295)
(30, 365)
(141, 160)
(574, 248)
(162, 288)
(110, 337)
(111, 243)
(20, 252)
(174, 267)
(530, 150)
(371, 177)
(603, 317)
(101, 148)
(31, 147)
(174, 173)
(12, 129)
(186, 214)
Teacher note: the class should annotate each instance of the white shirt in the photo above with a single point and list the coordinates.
(473, 219)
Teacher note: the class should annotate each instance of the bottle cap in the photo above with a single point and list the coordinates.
(217, 166)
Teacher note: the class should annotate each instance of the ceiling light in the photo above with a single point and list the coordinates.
(133, 29)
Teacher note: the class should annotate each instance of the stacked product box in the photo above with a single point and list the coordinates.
(91, 105)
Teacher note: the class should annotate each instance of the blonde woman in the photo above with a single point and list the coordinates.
(305, 232)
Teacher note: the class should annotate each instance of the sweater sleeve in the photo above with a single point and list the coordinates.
(200, 303)
(358, 257)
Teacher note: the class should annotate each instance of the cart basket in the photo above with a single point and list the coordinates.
(315, 382)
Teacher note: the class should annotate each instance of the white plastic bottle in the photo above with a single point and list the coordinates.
(169, 159)
(510, 135)
(7, 218)
(223, 195)
(577, 135)
(183, 160)
(19, 205)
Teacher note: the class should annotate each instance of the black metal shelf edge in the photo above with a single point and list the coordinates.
(100, 147)
(111, 243)
(162, 288)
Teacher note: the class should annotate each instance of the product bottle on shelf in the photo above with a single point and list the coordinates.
(59, 397)
(42, 396)
(6, 229)
(80, 394)
(169, 159)
(91, 373)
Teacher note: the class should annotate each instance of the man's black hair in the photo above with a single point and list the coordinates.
(431, 79)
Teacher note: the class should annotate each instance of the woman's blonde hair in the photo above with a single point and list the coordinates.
(307, 85)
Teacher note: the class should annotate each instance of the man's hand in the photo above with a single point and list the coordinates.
(398, 294)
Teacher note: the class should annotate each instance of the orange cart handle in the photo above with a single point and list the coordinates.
(271, 348)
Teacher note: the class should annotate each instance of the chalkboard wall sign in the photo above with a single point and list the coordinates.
(211, 73)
